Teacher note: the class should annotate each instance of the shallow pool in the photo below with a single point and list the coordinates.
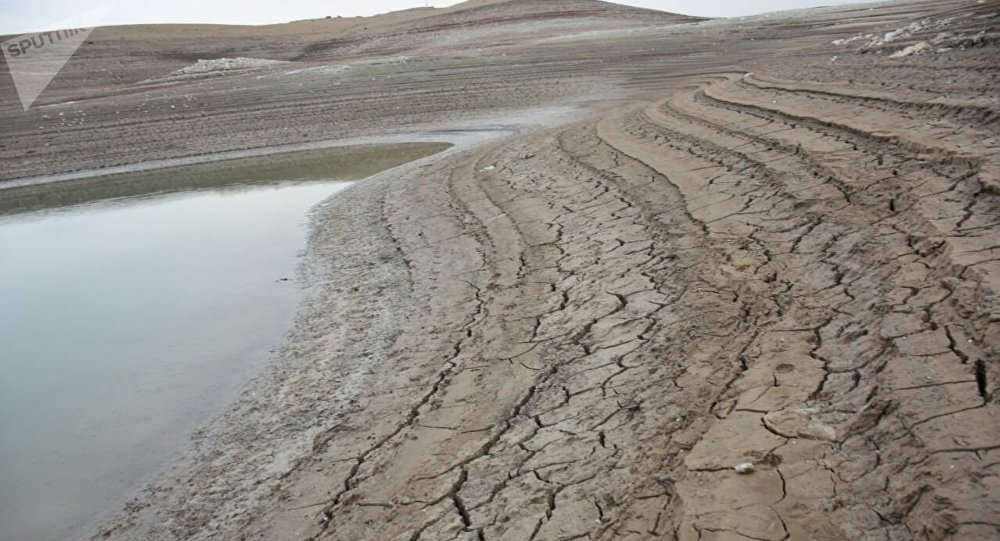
(128, 319)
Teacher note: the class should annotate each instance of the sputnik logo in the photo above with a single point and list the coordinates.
(35, 59)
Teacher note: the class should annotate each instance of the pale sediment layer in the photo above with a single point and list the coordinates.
(579, 331)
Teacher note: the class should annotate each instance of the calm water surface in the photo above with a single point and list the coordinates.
(123, 325)
(126, 324)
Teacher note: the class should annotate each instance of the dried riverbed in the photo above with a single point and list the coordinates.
(754, 241)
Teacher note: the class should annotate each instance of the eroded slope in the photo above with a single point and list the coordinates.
(780, 251)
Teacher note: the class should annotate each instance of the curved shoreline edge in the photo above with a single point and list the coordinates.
(359, 298)
(749, 291)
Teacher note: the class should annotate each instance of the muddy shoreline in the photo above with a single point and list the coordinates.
(358, 286)
(676, 249)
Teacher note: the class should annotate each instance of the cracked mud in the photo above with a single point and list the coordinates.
(578, 331)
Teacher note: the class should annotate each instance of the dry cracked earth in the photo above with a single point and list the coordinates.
(761, 248)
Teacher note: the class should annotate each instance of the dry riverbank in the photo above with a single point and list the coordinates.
(766, 241)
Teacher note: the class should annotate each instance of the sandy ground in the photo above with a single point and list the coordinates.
(663, 252)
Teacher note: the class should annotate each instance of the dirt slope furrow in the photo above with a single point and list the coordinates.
(933, 106)
(671, 250)
(838, 276)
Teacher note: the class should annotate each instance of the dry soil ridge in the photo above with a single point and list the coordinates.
(577, 332)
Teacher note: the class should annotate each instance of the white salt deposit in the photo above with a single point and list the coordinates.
(919, 48)
(202, 67)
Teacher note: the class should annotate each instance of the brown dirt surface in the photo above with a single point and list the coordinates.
(680, 246)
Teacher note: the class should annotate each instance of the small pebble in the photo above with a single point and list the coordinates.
(744, 469)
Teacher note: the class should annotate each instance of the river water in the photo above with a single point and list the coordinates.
(132, 310)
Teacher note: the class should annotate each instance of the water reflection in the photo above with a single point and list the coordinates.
(127, 323)
(343, 163)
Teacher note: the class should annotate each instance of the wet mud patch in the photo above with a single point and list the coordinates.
(336, 163)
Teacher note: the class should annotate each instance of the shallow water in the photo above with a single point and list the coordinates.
(127, 323)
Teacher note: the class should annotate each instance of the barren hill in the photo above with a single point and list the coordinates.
(121, 55)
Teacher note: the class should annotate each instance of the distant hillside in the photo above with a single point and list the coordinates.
(128, 54)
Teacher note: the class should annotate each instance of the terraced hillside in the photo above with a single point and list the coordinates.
(755, 268)
(771, 241)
